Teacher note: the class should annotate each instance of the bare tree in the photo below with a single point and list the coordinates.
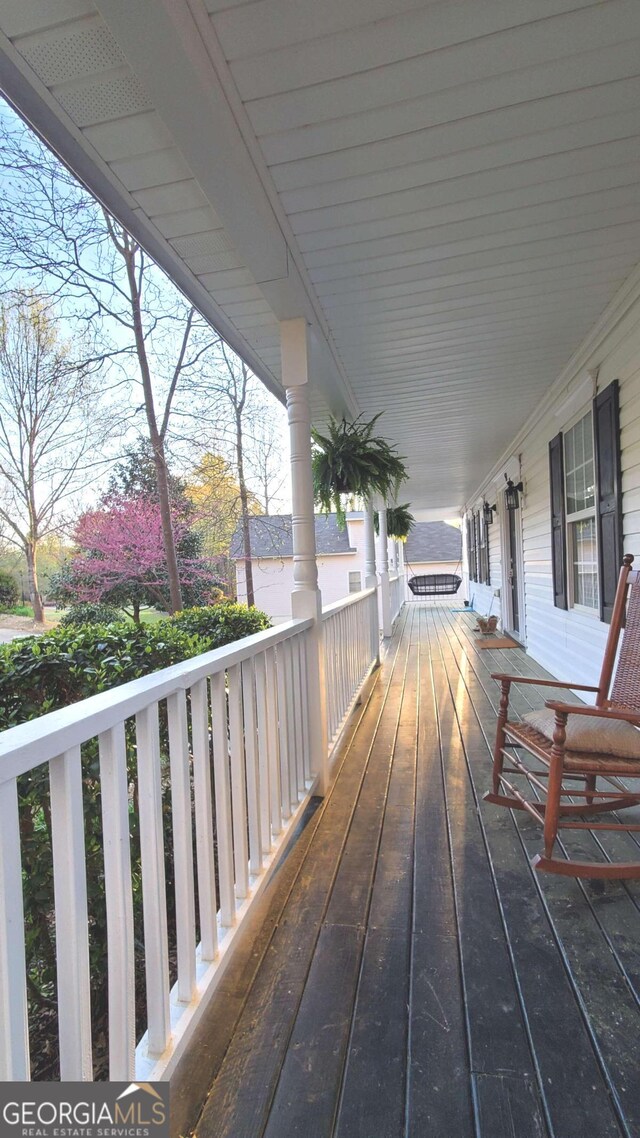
(264, 451)
(51, 428)
(230, 385)
(54, 235)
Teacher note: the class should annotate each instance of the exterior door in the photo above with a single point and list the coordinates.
(512, 578)
(512, 570)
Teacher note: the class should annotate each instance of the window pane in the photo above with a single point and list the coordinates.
(579, 466)
(585, 563)
(355, 582)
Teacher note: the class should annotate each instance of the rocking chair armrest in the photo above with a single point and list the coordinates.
(596, 712)
(541, 683)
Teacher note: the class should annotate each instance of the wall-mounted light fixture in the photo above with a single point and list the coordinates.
(511, 499)
(487, 513)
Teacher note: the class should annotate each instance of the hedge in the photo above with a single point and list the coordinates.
(40, 674)
(91, 612)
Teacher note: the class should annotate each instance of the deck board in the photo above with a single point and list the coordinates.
(421, 979)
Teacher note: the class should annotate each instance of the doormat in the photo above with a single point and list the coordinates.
(495, 642)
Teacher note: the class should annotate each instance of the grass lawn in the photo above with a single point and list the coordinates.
(151, 616)
(53, 615)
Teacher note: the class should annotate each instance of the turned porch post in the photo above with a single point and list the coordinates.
(370, 579)
(383, 561)
(306, 600)
(402, 569)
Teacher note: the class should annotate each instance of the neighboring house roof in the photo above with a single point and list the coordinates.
(271, 536)
(433, 541)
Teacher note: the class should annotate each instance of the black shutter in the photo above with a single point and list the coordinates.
(471, 549)
(606, 429)
(478, 554)
(558, 528)
(487, 564)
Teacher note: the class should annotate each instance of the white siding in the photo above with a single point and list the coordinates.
(570, 643)
(273, 581)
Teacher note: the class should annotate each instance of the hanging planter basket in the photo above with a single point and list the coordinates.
(349, 461)
(399, 522)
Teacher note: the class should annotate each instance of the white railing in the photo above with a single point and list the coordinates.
(396, 595)
(351, 648)
(219, 742)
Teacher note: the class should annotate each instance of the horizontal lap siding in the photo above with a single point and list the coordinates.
(273, 581)
(568, 643)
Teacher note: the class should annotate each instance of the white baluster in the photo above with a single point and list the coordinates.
(273, 737)
(238, 784)
(114, 789)
(182, 845)
(263, 751)
(203, 808)
(14, 1030)
(253, 779)
(283, 730)
(224, 826)
(299, 697)
(306, 745)
(72, 924)
(154, 899)
(291, 726)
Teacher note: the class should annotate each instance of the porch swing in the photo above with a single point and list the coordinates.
(434, 584)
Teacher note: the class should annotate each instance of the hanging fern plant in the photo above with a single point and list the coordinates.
(350, 461)
(399, 522)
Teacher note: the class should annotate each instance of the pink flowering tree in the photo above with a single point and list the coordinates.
(121, 558)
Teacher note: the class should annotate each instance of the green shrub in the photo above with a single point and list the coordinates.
(9, 592)
(222, 623)
(91, 612)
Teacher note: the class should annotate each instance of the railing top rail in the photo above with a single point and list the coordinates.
(30, 744)
(396, 578)
(344, 602)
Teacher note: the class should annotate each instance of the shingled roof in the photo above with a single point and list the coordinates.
(433, 541)
(271, 536)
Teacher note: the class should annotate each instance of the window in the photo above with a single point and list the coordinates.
(355, 581)
(478, 548)
(586, 508)
(580, 506)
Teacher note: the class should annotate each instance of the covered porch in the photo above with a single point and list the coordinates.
(427, 210)
(411, 973)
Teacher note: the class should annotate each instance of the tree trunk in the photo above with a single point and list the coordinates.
(175, 591)
(136, 611)
(157, 443)
(244, 507)
(32, 577)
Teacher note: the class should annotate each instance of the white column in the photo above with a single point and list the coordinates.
(402, 570)
(383, 561)
(306, 601)
(370, 579)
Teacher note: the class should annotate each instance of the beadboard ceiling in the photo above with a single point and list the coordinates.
(447, 190)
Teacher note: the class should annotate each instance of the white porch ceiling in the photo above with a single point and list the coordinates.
(447, 190)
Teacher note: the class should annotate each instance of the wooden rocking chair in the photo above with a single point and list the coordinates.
(589, 746)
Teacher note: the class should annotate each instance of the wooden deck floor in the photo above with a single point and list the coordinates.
(414, 976)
